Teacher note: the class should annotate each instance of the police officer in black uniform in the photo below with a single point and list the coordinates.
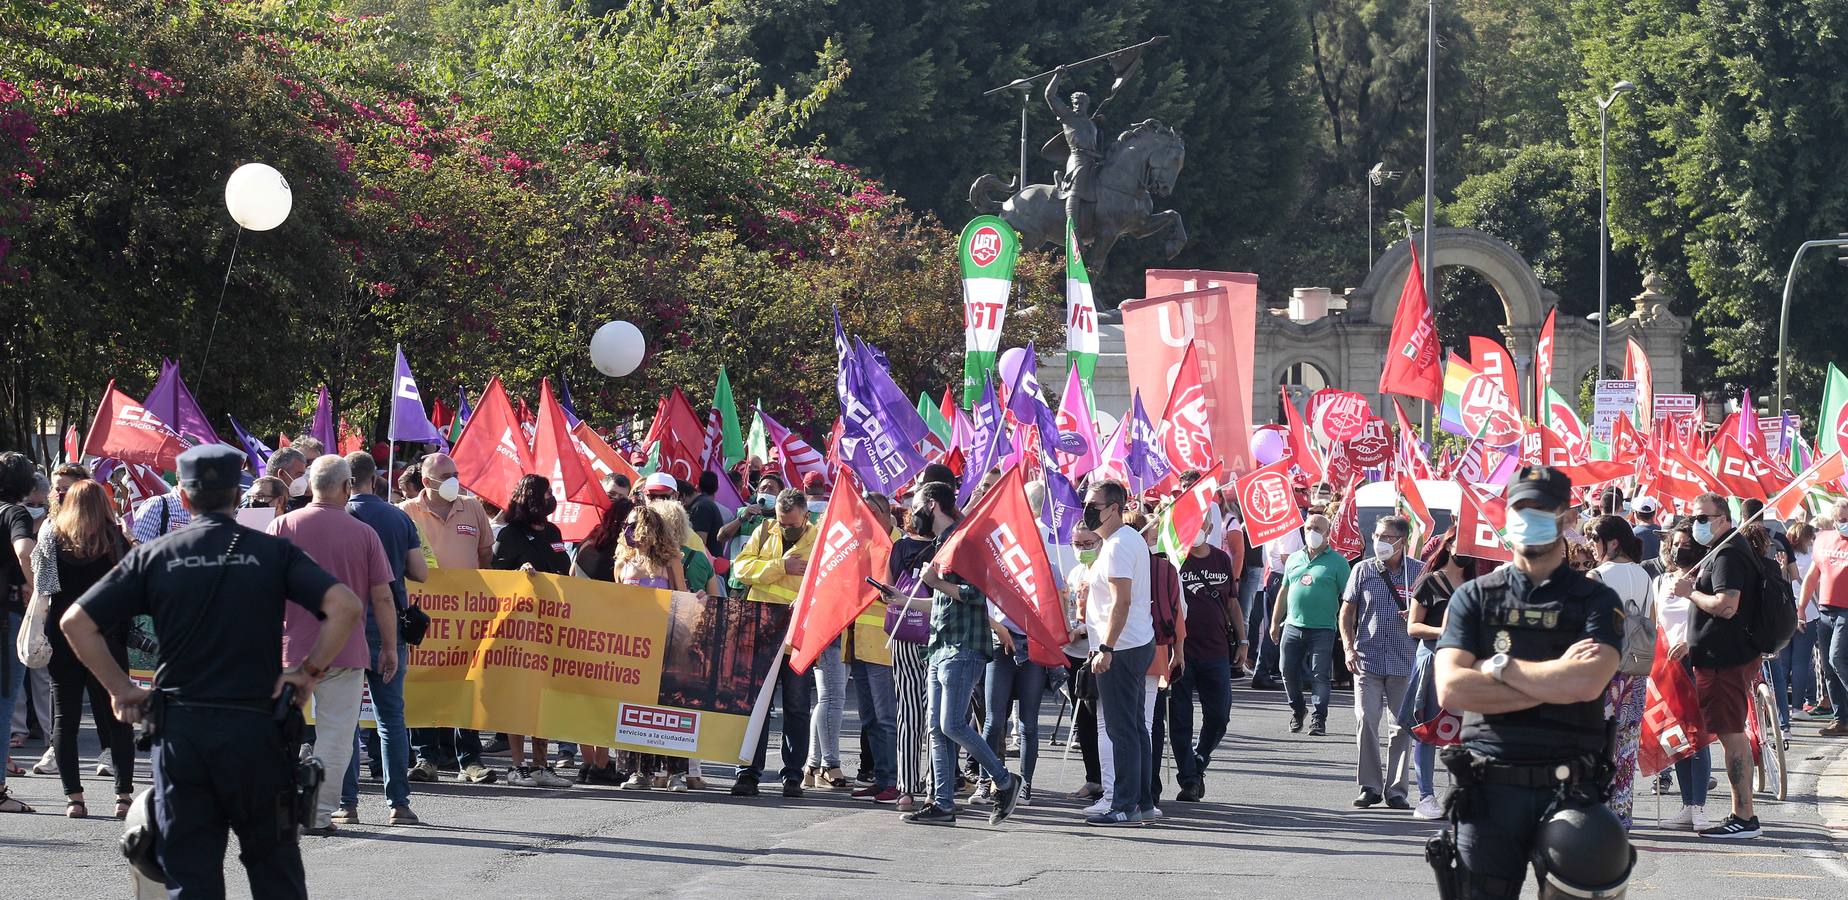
(216, 591)
(1527, 653)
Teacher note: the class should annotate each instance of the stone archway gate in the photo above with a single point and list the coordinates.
(1350, 347)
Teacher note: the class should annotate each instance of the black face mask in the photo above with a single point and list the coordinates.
(1093, 516)
(923, 524)
(1688, 556)
(793, 536)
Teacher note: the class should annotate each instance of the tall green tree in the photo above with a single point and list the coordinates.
(1729, 155)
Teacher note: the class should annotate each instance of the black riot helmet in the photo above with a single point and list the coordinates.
(1582, 852)
(142, 838)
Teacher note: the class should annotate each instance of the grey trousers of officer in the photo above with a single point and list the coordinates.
(1376, 699)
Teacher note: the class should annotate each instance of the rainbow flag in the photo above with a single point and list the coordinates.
(1457, 374)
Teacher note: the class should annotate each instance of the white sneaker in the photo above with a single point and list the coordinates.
(547, 778)
(520, 777)
(1098, 808)
(636, 782)
(1428, 808)
(1685, 818)
(677, 783)
(1700, 819)
(1153, 813)
(47, 764)
(104, 769)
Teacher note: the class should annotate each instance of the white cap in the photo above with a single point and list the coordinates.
(1645, 504)
(660, 481)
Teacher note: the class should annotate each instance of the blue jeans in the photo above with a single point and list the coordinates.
(1014, 677)
(1800, 659)
(11, 687)
(1693, 773)
(1832, 643)
(1122, 696)
(830, 705)
(1308, 652)
(1212, 679)
(1267, 662)
(878, 703)
(951, 685)
(1424, 756)
(393, 738)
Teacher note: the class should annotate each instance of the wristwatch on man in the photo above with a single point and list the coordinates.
(1105, 648)
(1497, 668)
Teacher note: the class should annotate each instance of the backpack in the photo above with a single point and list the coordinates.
(1637, 656)
(1774, 620)
(1164, 598)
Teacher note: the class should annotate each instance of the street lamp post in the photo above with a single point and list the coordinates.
(1604, 239)
(1376, 176)
(1783, 315)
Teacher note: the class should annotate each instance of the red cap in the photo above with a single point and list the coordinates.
(813, 480)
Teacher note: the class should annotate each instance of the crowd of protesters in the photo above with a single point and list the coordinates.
(1154, 648)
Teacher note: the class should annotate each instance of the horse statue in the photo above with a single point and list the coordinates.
(1143, 163)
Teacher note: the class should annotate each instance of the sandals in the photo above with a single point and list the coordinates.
(12, 804)
(13, 769)
(75, 809)
(123, 803)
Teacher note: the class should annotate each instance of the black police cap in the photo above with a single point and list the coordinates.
(210, 466)
(1543, 483)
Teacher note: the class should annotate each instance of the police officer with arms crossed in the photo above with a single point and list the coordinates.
(1526, 655)
(216, 592)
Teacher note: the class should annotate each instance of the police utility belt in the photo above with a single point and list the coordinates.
(1471, 769)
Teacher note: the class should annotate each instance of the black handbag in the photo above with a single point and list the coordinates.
(413, 622)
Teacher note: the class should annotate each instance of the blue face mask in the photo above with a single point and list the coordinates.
(1533, 528)
(1703, 533)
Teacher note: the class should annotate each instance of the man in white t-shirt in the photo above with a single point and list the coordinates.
(1122, 628)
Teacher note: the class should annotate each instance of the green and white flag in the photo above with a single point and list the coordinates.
(730, 438)
(1832, 421)
(1080, 314)
(757, 444)
(989, 248)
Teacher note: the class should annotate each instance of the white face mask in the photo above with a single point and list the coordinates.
(1315, 539)
(36, 512)
(299, 487)
(450, 489)
(1384, 549)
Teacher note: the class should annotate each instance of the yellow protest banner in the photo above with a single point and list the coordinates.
(588, 661)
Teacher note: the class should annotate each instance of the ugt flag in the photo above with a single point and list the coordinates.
(989, 248)
(853, 547)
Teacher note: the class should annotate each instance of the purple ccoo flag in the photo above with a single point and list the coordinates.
(322, 428)
(1148, 466)
(872, 443)
(1063, 509)
(409, 421)
(174, 404)
(990, 442)
(258, 452)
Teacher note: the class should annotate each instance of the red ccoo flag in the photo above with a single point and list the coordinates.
(556, 456)
(1301, 453)
(851, 548)
(491, 453)
(73, 450)
(131, 433)
(1543, 354)
(682, 433)
(1411, 359)
(998, 549)
(1672, 728)
(1825, 473)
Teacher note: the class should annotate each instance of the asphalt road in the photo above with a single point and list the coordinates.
(1276, 823)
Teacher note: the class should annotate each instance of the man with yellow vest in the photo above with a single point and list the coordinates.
(771, 565)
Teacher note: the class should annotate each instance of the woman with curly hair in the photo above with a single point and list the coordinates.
(531, 543)
(648, 555)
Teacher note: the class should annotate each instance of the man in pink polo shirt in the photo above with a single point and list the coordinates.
(1827, 582)
(349, 550)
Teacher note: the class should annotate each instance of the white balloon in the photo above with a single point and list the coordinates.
(1106, 425)
(617, 349)
(258, 197)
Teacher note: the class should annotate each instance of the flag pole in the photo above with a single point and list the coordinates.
(391, 424)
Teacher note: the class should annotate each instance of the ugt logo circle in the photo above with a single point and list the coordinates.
(1483, 410)
(985, 245)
